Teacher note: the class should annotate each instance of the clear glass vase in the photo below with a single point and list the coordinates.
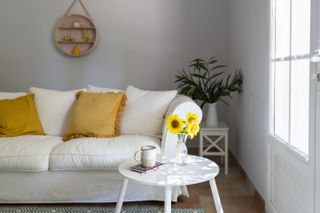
(181, 154)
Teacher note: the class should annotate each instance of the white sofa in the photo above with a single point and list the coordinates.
(44, 169)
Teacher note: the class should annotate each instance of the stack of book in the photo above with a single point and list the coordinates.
(141, 169)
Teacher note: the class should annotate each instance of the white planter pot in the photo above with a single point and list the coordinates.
(212, 116)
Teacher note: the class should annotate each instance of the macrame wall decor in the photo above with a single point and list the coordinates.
(76, 35)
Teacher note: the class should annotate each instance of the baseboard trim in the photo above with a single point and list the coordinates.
(271, 209)
(256, 194)
(260, 199)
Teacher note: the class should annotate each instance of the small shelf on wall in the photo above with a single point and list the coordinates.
(78, 32)
(76, 28)
(76, 42)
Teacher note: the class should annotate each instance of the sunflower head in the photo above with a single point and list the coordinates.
(193, 129)
(174, 124)
(192, 118)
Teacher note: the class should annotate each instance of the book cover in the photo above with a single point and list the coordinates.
(141, 169)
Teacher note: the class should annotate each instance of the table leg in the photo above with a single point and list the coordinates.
(167, 202)
(121, 195)
(216, 196)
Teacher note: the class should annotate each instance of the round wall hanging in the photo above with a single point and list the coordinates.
(76, 35)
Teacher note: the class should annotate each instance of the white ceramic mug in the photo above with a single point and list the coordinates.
(148, 156)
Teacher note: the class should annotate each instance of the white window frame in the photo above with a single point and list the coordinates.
(285, 144)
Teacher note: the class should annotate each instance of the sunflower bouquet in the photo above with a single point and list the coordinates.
(190, 126)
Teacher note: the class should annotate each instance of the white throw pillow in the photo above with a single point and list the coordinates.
(92, 88)
(54, 109)
(145, 111)
(11, 95)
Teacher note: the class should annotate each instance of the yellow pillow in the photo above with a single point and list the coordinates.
(19, 117)
(96, 115)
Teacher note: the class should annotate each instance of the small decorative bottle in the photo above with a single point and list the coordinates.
(76, 51)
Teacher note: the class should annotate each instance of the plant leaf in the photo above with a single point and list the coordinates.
(199, 83)
(199, 76)
(217, 67)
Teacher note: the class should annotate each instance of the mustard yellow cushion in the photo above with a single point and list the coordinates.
(19, 117)
(96, 115)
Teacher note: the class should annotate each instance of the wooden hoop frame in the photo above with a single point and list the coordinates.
(84, 38)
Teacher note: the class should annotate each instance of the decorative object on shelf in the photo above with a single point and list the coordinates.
(86, 35)
(67, 38)
(202, 81)
(82, 30)
(76, 24)
(76, 51)
(183, 129)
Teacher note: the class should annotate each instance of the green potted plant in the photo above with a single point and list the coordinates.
(204, 82)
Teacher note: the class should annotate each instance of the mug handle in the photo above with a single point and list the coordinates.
(135, 156)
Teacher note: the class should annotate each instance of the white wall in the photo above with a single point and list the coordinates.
(143, 42)
(248, 114)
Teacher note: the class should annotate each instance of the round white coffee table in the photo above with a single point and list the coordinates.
(197, 170)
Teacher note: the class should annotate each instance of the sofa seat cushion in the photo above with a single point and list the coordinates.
(98, 153)
(28, 153)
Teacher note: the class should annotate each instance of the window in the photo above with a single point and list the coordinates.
(290, 30)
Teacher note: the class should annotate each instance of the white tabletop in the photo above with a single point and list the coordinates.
(197, 170)
(221, 126)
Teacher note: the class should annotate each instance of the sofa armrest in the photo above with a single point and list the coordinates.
(181, 105)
